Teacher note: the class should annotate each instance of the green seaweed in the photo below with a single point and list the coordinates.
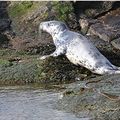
(63, 9)
(5, 63)
(20, 8)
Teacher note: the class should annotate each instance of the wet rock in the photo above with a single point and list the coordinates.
(107, 27)
(4, 41)
(85, 24)
(91, 9)
(96, 98)
(4, 24)
(3, 13)
(116, 43)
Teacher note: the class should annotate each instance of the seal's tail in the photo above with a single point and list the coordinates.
(116, 71)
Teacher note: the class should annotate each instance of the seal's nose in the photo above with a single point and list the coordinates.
(41, 26)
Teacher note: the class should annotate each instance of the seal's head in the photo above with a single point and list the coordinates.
(53, 27)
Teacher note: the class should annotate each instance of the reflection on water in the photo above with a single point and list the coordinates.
(27, 103)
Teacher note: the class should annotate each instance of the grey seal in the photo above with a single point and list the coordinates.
(77, 48)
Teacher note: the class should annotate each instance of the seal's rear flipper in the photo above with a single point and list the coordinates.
(114, 71)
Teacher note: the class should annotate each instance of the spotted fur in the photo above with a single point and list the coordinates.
(78, 49)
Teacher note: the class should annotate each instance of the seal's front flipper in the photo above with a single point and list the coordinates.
(54, 54)
(44, 57)
(57, 52)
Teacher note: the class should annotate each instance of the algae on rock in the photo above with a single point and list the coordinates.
(63, 10)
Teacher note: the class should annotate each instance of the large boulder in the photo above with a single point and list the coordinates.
(107, 27)
(26, 17)
(91, 9)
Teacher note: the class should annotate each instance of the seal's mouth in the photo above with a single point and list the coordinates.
(40, 30)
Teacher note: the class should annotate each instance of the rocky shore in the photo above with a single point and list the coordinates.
(20, 45)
